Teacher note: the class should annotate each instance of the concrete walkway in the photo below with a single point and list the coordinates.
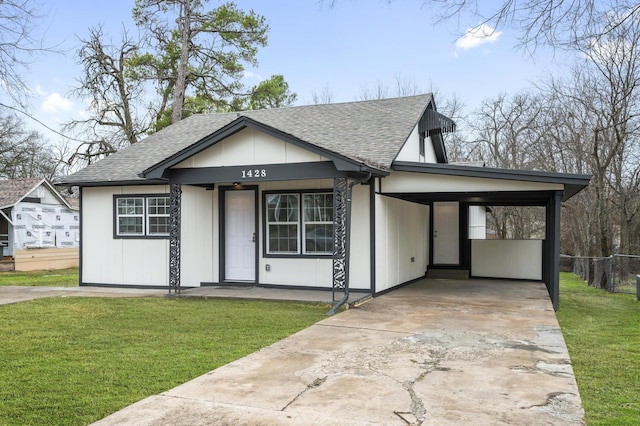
(15, 294)
(437, 352)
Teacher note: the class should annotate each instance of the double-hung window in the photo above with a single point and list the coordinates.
(299, 223)
(141, 216)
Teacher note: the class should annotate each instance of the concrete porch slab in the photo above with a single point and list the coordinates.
(436, 352)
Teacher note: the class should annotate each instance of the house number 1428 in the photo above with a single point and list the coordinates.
(255, 173)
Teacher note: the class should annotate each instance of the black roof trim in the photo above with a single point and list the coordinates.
(114, 183)
(158, 171)
(573, 183)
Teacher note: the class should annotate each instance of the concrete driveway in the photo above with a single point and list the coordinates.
(437, 352)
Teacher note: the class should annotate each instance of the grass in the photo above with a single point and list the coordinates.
(56, 278)
(76, 360)
(73, 361)
(602, 332)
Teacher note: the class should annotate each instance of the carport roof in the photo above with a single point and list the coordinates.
(573, 183)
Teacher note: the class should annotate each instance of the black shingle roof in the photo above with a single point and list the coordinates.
(368, 132)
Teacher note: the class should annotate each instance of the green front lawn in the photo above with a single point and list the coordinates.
(52, 278)
(602, 332)
(73, 361)
(76, 360)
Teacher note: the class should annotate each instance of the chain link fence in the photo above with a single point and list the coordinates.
(616, 274)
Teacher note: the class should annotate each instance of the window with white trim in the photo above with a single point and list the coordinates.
(142, 216)
(158, 215)
(299, 223)
(318, 223)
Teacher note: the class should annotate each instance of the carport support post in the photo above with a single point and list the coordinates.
(552, 248)
(340, 236)
(175, 213)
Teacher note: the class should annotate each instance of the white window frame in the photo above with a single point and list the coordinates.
(300, 224)
(130, 215)
(314, 222)
(287, 223)
(150, 215)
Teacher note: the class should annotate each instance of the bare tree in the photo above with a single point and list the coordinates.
(559, 24)
(18, 19)
(24, 153)
(116, 118)
(506, 129)
(325, 96)
(378, 91)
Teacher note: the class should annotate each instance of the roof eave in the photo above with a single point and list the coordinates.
(342, 163)
(573, 183)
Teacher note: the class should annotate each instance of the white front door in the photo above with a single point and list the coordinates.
(446, 233)
(240, 236)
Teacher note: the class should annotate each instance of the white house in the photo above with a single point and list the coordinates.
(39, 229)
(350, 196)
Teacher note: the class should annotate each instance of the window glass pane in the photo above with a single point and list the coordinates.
(158, 225)
(318, 207)
(318, 223)
(130, 225)
(158, 205)
(158, 215)
(283, 238)
(130, 212)
(130, 206)
(318, 238)
(282, 207)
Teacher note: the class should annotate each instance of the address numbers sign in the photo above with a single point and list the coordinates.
(254, 173)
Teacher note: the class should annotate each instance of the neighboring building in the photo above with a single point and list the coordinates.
(38, 227)
(351, 196)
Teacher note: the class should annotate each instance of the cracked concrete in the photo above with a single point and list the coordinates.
(437, 352)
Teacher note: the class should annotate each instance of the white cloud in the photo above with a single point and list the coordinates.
(252, 76)
(477, 36)
(55, 102)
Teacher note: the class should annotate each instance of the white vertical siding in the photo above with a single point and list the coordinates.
(401, 241)
(318, 272)
(411, 149)
(360, 253)
(477, 222)
(199, 248)
(115, 261)
(516, 259)
(249, 147)
(118, 261)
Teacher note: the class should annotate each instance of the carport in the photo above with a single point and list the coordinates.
(450, 190)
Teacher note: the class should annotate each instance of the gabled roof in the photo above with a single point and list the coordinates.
(12, 191)
(369, 133)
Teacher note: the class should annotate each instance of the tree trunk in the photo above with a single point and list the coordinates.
(184, 24)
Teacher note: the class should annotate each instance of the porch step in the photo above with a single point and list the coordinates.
(448, 274)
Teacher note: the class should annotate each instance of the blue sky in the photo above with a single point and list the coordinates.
(344, 49)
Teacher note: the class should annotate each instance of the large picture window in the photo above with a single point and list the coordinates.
(299, 223)
(142, 216)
